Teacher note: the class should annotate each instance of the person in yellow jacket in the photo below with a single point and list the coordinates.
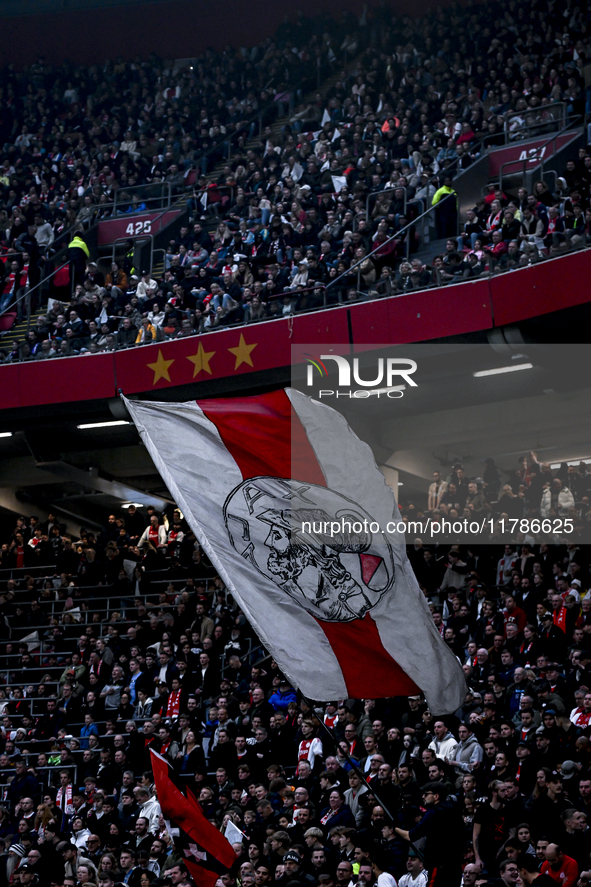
(445, 200)
(78, 254)
(146, 333)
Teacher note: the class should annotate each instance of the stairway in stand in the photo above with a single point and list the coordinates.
(18, 333)
(276, 127)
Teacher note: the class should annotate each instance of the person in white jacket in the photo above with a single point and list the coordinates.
(505, 566)
(156, 316)
(45, 234)
(154, 533)
(444, 744)
(147, 287)
(556, 497)
(149, 807)
(300, 278)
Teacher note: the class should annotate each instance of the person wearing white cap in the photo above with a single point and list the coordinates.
(575, 589)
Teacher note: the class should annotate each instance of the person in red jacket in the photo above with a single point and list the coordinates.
(562, 869)
(514, 615)
(498, 246)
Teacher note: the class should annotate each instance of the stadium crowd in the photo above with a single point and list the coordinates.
(512, 505)
(127, 640)
(298, 207)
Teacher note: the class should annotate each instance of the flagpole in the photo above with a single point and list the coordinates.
(361, 775)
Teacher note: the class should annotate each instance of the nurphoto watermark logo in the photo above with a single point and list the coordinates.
(388, 378)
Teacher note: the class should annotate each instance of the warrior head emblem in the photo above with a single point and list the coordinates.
(312, 542)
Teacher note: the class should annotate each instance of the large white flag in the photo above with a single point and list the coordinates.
(292, 511)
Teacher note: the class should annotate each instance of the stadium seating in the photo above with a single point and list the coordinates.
(288, 198)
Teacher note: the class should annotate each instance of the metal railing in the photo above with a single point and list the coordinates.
(476, 149)
(207, 190)
(572, 123)
(150, 204)
(51, 769)
(100, 213)
(150, 233)
(520, 171)
(23, 571)
(137, 238)
(371, 294)
(387, 191)
(159, 250)
(294, 294)
(393, 237)
(26, 295)
(531, 121)
(550, 172)
(250, 657)
(164, 187)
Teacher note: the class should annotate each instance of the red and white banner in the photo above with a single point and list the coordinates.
(263, 481)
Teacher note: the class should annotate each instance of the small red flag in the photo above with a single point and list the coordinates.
(206, 852)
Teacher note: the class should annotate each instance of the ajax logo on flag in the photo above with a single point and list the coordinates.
(388, 378)
(320, 548)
